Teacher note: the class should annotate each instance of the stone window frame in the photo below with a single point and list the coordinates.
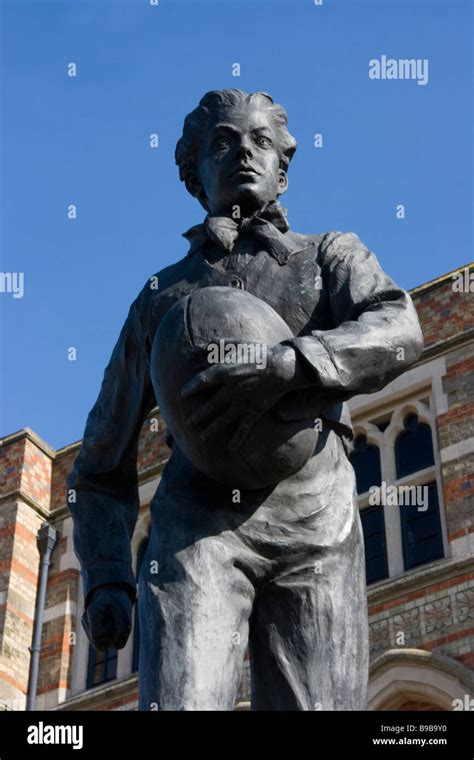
(385, 441)
(141, 533)
(125, 655)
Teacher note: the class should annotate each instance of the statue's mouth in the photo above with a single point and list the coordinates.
(244, 170)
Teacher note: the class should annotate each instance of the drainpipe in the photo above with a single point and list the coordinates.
(46, 541)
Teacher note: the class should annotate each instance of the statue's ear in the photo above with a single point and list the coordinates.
(193, 185)
(282, 181)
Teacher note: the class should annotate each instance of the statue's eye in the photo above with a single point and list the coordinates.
(261, 140)
(221, 143)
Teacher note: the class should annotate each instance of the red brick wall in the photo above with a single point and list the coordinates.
(62, 466)
(19, 573)
(443, 312)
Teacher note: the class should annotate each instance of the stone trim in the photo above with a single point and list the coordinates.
(418, 579)
(92, 698)
(412, 657)
(29, 434)
(18, 496)
(431, 284)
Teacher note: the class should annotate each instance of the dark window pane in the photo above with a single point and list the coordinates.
(421, 531)
(413, 447)
(373, 525)
(366, 463)
(102, 666)
(136, 631)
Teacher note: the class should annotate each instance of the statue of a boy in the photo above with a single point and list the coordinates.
(280, 568)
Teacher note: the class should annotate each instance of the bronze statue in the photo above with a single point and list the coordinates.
(255, 525)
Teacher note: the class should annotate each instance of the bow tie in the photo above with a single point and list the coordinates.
(267, 226)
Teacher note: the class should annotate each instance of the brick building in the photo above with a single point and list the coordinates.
(416, 434)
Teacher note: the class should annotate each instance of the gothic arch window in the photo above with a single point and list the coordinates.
(420, 519)
(366, 462)
(413, 447)
(397, 472)
(136, 629)
(373, 526)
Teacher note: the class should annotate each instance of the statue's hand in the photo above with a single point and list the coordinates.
(243, 392)
(108, 618)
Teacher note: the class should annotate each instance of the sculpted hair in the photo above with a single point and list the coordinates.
(188, 146)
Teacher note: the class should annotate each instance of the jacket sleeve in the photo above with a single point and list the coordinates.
(104, 498)
(375, 334)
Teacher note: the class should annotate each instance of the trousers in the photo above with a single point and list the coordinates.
(279, 572)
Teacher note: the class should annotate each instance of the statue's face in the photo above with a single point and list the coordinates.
(238, 163)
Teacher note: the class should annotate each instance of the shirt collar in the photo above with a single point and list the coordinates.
(280, 245)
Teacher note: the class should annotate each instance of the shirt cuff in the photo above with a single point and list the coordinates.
(102, 573)
(312, 350)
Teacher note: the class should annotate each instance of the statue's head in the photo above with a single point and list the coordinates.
(235, 151)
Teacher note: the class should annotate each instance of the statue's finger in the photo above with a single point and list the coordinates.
(206, 379)
(245, 426)
(209, 409)
(220, 424)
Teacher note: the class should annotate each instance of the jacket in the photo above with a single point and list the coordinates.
(353, 326)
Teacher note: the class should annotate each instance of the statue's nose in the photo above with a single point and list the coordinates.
(244, 148)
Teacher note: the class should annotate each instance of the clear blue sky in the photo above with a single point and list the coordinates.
(141, 69)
